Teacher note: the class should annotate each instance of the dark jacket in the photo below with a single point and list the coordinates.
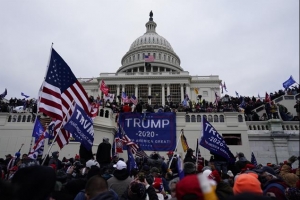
(85, 154)
(108, 195)
(103, 153)
(150, 191)
(189, 158)
(223, 190)
(241, 163)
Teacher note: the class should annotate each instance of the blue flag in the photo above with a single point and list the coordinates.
(131, 162)
(214, 142)
(37, 130)
(237, 94)
(51, 132)
(80, 125)
(24, 95)
(3, 94)
(288, 82)
(243, 104)
(180, 168)
(253, 159)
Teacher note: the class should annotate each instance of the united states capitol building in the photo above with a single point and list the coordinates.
(164, 79)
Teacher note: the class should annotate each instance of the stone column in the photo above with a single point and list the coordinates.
(188, 90)
(168, 90)
(163, 101)
(181, 92)
(136, 86)
(149, 93)
(118, 93)
(123, 88)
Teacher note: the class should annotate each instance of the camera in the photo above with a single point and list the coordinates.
(141, 176)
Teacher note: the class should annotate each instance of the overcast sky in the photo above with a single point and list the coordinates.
(253, 45)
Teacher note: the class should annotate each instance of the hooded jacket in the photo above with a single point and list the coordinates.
(120, 181)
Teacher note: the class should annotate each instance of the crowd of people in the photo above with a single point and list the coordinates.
(89, 176)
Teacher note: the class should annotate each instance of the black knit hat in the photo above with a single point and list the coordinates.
(34, 183)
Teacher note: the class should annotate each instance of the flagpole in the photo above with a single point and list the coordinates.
(39, 99)
(54, 139)
(176, 147)
(197, 154)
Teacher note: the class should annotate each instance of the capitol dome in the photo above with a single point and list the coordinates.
(150, 44)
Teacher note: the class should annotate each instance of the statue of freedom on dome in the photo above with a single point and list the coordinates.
(151, 14)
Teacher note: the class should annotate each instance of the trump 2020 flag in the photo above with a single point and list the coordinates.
(288, 82)
(214, 142)
(80, 125)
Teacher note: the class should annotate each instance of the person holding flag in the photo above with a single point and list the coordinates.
(215, 143)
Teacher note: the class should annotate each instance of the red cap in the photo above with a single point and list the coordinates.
(189, 185)
(170, 153)
(214, 175)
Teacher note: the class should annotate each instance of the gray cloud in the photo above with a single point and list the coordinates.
(252, 45)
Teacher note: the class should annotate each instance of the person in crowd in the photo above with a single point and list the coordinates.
(120, 180)
(138, 190)
(33, 183)
(247, 183)
(189, 156)
(297, 108)
(103, 155)
(97, 189)
(172, 186)
(155, 161)
(220, 163)
(223, 190)
(173, 167)
(241, 163)
(274, 110)
(54, 160)
(195, 187)
(272, 186)
(189, 168)
(85, 154)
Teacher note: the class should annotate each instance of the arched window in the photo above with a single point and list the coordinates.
(262, 127)
(153, 40)
(169, 58)
(205, 116)
(133, 57)
(154, 55)
(106, 114)
(187, 118)
(216, 118)
(101, 113)
(210, 119)
(159, 56)
(254, 127)
(198, 118)
(9, 118)
(221, 118)
(19, 118)
(138, 56)
(29, 118)
(296, 127)
(258, 127)
(149, 40)
(193, 118)
(164, 56)
(240, 118)
(250, 128)
(143, 56)
(283, 127)
(24, 118)
(14, 119)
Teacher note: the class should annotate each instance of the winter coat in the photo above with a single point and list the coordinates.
(223, 190)
(103, 153)
(120, 181)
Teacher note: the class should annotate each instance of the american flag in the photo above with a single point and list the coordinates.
(134, 100)
(253, 159)
(141, 153)
(103, 87)
(125, 98)
(149, 59)
(217, 99)
(60, 90)
(38, 148)
(126, 140)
